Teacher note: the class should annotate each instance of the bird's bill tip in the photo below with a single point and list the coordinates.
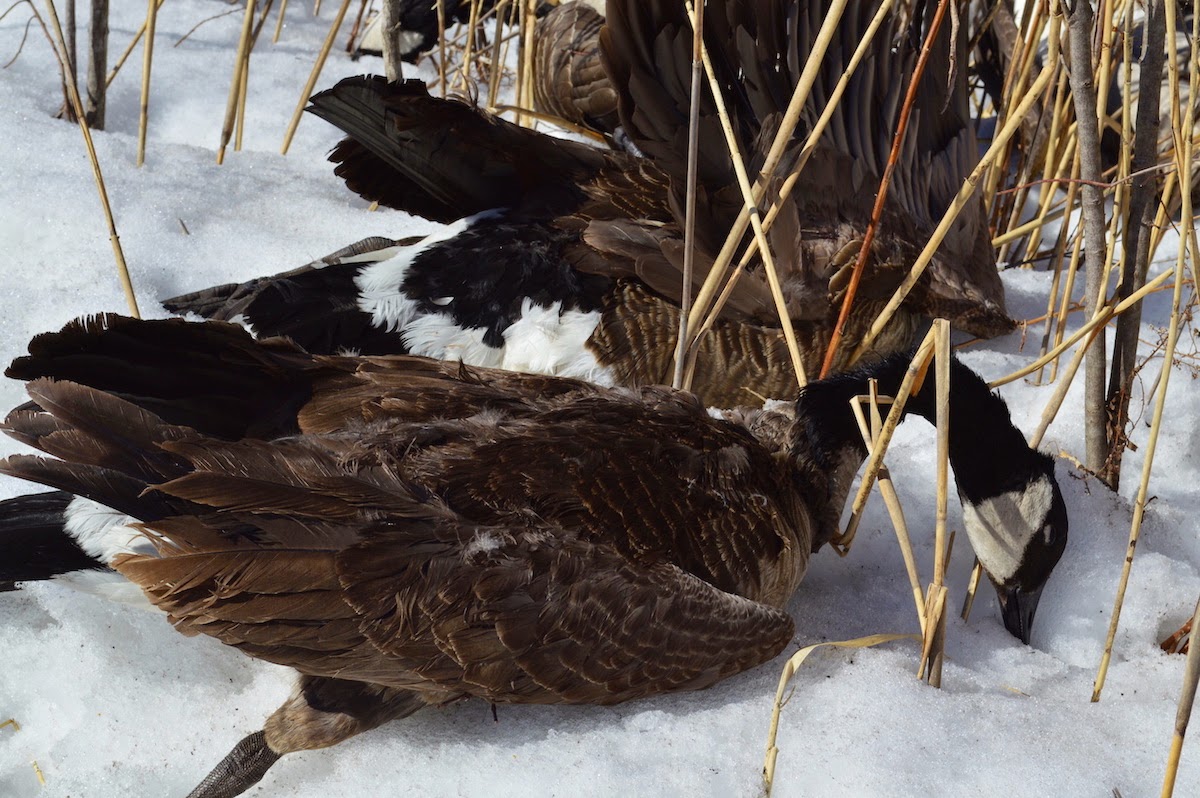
(1017, 608)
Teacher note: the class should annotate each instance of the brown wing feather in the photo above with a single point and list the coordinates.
(570, 82)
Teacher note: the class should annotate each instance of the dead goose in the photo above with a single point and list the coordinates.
(406, 532)
(565, 259)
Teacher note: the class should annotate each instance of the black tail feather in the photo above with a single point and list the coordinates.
(211, 377)
(34, 540)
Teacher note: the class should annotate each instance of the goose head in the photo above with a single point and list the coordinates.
(1013, 510)
(1018, 531)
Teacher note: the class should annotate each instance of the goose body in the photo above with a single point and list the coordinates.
(546, 228)
(406, 532)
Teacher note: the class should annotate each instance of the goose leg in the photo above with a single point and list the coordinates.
(321, 712)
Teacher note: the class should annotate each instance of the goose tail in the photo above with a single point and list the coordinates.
(35, 540)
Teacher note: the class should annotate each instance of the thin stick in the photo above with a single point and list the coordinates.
(1106, 314)
(472, 23)
(441, 19)
(73, 95)
(935, 626)
(243, 89)
(718, 270)
(689, 225)
(791, 117)
(279, 22)
(885, 183)
(964, 195)
(916, 372)
(497, 58)
(128, 51)
(313, 75)
(739, 168)
(525, 77)
(1183, 713)
(888, 491)
(147, 58)
(239, 64)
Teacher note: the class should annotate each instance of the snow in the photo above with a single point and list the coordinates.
(112, 702)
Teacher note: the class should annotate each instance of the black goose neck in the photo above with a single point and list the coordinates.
(988, 454)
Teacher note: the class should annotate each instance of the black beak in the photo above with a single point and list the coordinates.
(1017, 607)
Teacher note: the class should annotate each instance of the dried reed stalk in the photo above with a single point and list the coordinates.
(791, 117)
(964, 195)
(689, 224)
(1139, 506)
(1183, 712)
(1107, 312)
(789, 670)
(472, 24)
(313, 75)
(717, 274)
(441, 18)
(912, 379)
(935, 618)
(279, 22)
(524, 85)
(137, 37)
(881, 193)
(147, 59)
(887, 490)
(243, 90)
(748, 196)
(497, 69)
(73, 96)
(235, 86)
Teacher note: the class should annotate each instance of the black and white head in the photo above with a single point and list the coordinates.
(1018, 528)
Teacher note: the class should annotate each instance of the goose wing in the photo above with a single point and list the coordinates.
(758, 49)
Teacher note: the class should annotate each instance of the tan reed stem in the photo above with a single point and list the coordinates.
(73, 96)
(312, 76)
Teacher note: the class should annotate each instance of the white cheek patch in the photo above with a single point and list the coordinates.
(1002, 527)
(103, 532)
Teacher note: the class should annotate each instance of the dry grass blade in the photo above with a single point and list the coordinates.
(887, 490)
(720, 266)
(118, 253)
(789, 670)
(1105, 315)
(935, 603)
(1183, 713)
(137, 37)
(279, 22)
(313, 75)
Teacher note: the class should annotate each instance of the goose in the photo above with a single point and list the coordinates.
(565, 259)
(405, 532)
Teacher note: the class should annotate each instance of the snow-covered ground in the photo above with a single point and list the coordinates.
(112, 702)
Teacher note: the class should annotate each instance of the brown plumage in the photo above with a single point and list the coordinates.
(405, 532)
(605, 228)
(569, 78)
